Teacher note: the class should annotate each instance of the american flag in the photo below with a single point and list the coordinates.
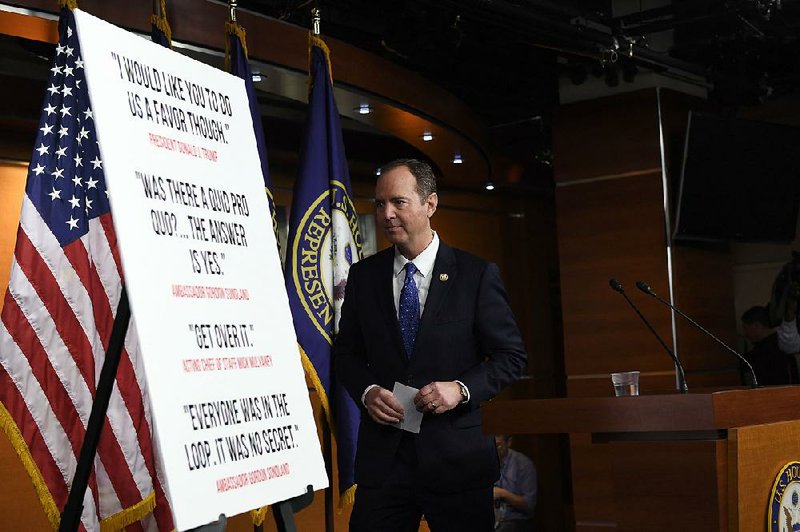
(57, 316)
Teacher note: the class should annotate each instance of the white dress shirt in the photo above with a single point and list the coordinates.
(422, 278)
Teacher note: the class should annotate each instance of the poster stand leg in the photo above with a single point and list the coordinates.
(215, 526)
(71, 516)
(284, 511)
(327, 455)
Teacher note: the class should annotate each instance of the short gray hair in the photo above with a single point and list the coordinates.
(422, 172)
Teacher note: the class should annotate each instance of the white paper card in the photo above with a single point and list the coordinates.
(413, 418)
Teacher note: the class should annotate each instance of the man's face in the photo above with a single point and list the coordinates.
(754, 332)
(404, 216)
(501, 442)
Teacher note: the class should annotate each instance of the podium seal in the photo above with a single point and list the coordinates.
(784, 500)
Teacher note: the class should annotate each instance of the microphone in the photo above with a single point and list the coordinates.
(617, 286)
(644, 287)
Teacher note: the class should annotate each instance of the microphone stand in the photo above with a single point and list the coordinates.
(682, 385)
(644, 287)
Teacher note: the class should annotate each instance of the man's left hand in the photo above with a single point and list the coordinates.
(500, 493)
(438, 397)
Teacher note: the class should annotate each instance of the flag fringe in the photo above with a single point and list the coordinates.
(347, 498)
(316, 40)
(128, 516)
(259, 515)
(11, 430)
(117, 521)
(317, 384)
(161, 22)
(69, 4)
(274, 217)
(233, 28)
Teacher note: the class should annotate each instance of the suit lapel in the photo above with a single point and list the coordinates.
(385, 292)
(442, 278)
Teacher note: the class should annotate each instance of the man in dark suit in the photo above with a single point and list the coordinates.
(435, 318)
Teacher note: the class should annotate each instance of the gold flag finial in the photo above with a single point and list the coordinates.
(232, 4)
(315, 21)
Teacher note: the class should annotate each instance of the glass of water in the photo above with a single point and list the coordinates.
(625, 383)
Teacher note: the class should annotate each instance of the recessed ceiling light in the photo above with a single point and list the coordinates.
(457, 159)
(378, 171)
(427, 136)
(256, 76)
(489, 185)
(363, 109)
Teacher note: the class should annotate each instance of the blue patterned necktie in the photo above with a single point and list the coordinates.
(409, 309)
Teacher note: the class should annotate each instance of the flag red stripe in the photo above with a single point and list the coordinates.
(20, 330)
(51, 386)
(126, 371)
(111, 236)
(16, 406)
(126, 375)
(70, 330)
(67, 324)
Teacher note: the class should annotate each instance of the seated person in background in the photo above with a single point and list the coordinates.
(515, 491)
(770, 363)
(783, 305)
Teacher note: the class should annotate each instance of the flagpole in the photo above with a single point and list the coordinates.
(70, 518)
(327, 447)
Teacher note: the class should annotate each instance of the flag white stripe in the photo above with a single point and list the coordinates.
(56, 440)
(79, 301)
(65, 368)
(45, 329)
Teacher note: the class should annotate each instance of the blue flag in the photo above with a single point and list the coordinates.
(324, 241)
(160, 32)
(237, 64)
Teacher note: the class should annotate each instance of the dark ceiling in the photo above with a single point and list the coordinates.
(505, 58)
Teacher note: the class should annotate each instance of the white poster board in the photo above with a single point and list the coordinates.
(229, 398)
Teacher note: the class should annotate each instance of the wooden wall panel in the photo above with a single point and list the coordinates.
(12, 187)
(592, 482)
(645, 475)
(704, 291)
(611, 228)
(608, 136)
(611, 223)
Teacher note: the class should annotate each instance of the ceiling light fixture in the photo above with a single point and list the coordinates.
(457, 159)
(427, 136)
(489, 185)
(363, 109)
(378, 171)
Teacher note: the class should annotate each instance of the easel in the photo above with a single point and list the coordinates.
(71, 516)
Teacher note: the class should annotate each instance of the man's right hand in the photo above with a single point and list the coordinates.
(382, 406)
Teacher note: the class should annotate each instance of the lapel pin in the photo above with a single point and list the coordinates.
(443, 277)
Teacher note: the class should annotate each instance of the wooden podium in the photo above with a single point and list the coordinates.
(694, 462)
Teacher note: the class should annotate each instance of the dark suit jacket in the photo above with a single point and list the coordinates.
(467, 332)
